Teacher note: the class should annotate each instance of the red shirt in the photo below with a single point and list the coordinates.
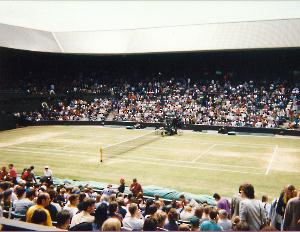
(12, 172)
(135, 188)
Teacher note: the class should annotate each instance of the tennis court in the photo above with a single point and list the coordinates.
(201, 163)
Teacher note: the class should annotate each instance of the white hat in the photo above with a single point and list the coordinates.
(46, 167)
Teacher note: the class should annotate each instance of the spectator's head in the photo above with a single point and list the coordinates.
(111, 224)
(290, 191)
(241, 226)
(10, 166)
(160, 217)
(133, 209)
(89, 205)
(43, 199)
(195, 222)
(268, 228)
(134, 180)
(173, 215)
(82, 196)
(4, 185)
(74, 199)
(183, 227)
(63, 219)
(198, 212)
(31, 193)
(113, 207)
(122, 180)
(264, 198)
(217, 196)
(223, 214)
(39, 216)
(206, 210)
(247, 191)
(213, 215)
(52, 193)
(150, 224)
(32, 167)
(20, 192)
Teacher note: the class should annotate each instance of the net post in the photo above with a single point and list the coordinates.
(101, 154)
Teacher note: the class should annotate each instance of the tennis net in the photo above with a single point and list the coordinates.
(131, 144)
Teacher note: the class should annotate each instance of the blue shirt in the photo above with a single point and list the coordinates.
(210, 226)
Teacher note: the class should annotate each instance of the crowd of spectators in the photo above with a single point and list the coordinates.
(260, 104)
(78, 208)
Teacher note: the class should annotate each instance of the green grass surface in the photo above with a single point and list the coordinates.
(194, 162)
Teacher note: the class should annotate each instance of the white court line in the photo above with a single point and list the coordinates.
(203, 153)
(271, 160)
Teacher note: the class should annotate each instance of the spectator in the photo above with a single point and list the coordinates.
(195, 223)
(23, 204)
(12, 173)
(111, 224)
(172, 220)
(63, 220)
(39, 217)
(43, 201)
(100, 216)
(267, 206)
(222, 203)
(251, 210)
(235, 204)
(211, 225)
(121, 188)
(160, 217)
(292, 214)
(134, 221)
(186, 214)
(108, 191)
(205, 215)
(135, 187)
(71, 206)
(223, 221)
(183, 227)
(51, 207)
(150, 224)
(85, 214)
(113, 211)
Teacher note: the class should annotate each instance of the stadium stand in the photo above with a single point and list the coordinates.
(97, 207)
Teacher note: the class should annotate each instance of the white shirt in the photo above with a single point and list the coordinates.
(81, 217)
(48, 173)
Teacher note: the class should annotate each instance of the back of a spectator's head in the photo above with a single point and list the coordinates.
(194, 221)
(52, 194)
(39, 216)
(160, 217)
(112, 207)
(173, 215)
(111, 224)
(120, 201)
(223, 214)
(152, 209)
(5, 185)
(248, 191)
(30, 193)
(241, 226)
(150, 224)
(183, 227)
(134, 180)
(43, 198)
(132, 209)
(217, 196)
(63, 219)
(213, 214)
(82, 196)
(73, 198)
(198, 212)
(101, 215)
(88, 203)
(20, 192)
(206, 210)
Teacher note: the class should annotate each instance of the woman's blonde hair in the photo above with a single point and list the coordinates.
(111, 224)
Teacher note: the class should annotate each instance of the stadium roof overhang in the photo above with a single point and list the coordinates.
(149, 26)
